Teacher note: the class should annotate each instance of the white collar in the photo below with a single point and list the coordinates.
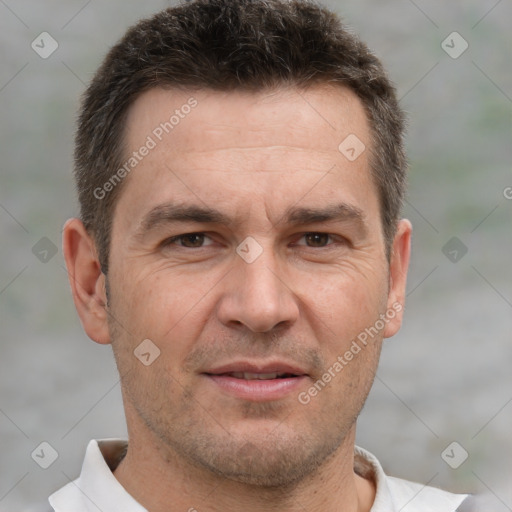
(97, 489)
(395, 494)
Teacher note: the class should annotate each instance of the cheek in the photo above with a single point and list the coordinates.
(167, 308)
(348, 293)
(343, 308)
(345, 320)
(171, 306)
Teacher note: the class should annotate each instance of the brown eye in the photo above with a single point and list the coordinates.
(188, 240)
(317, 239)
(192, 240)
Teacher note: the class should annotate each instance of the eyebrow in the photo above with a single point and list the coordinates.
(170, 213)
(339, 212)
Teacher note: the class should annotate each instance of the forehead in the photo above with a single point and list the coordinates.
(246, 117)
(237, 148)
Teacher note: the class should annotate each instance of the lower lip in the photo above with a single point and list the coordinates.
(258, 390)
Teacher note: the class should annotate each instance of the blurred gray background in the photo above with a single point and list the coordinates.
(444, 378)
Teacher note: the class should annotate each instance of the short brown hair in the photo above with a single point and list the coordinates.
(224, 45)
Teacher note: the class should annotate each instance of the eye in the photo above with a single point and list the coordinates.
(317, 239)
(188, 240)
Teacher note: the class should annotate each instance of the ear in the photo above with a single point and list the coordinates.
(398, 266)
(86, 280)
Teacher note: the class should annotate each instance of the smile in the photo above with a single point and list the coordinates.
(259, 376)
(257, 382)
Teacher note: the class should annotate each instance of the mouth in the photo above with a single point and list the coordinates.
(259, 376)
(257, 383)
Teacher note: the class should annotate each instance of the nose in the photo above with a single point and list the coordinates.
(258, 295)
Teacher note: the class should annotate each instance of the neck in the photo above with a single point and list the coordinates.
(159, 480)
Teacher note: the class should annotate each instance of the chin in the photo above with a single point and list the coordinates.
(267, 460)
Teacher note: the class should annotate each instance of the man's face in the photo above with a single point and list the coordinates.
(228, 313)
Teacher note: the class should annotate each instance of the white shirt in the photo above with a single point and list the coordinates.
(98, 489)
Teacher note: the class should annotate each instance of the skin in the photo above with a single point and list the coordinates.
(303, 300)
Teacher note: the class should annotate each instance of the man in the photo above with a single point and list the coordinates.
(240, 170)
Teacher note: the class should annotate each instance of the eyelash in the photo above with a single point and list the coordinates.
(172, 240)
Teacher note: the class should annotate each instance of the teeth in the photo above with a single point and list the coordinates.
(260, 376)
(256, 376)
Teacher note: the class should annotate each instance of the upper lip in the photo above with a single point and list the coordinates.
(252, 367)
